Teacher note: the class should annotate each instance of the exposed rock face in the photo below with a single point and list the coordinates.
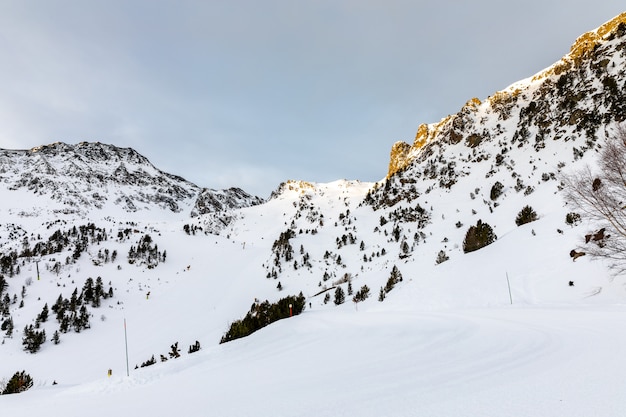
(293, 186)
(398, 159)
(211, 201)
(567, 108)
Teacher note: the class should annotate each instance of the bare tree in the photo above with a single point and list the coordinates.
(600, 196)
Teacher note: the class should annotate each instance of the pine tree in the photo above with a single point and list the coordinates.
(88, 290)
(404, 249)
(81, 320)
(64, 324)
(394, 278)
(361, 294)
(74, 300)
(33, 339)
(43, 316)
(58, 304)
(340, 296)
(98, 292)
(381, 294)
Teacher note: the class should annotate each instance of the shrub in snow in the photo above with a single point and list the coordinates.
(174, 351)
(441, 257)
(262, 314)
(7, 326)
(194, 348)
(478, 237)
(496, 190)
(19, 382)
(572, 219)
(149, 362)
(526, 215)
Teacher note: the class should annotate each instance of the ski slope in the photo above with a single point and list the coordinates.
(506, 361)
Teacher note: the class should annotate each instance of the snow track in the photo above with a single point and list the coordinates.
(557, 361)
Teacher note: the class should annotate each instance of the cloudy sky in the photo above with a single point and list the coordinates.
(250, 93)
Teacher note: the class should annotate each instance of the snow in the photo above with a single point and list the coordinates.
(516, 328)
(503, 361)
(446, 341)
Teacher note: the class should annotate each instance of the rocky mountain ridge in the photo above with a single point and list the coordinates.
(90, 176)
(567, 109)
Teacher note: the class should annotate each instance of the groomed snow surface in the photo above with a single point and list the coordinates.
(505, 361)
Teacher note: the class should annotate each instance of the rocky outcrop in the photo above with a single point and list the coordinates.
(211, 201)
(569, 108)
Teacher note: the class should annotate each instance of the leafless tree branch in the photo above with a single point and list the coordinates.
(601, 198)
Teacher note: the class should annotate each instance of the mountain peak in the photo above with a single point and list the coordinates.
(585, 45)
(577, 99)
(91, 175)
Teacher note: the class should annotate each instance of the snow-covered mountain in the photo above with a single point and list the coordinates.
(94, 175)
(558, 115)
(99, 237)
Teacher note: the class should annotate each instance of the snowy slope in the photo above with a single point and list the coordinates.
(499, 331)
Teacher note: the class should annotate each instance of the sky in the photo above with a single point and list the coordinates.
(249, 94)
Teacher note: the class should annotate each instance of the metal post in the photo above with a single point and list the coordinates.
(509, 284)
(126, 343)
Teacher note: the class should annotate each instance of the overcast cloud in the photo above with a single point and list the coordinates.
(250, 93)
